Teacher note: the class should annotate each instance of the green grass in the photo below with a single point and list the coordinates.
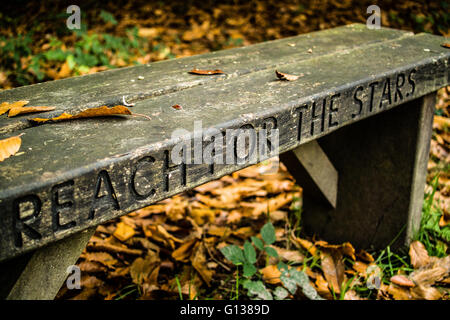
(435, 239)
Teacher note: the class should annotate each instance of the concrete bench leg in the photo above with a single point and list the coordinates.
(39, 275)
(381, 164)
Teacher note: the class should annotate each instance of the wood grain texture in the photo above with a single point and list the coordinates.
(81, 173)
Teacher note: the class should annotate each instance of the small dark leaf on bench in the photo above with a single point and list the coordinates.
(89, 113)
(205, 72)
(9, 147)
(285, 76)
(177, 107)
(445, 45)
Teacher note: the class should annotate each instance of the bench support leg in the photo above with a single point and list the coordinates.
(382, 163)
(39, 275)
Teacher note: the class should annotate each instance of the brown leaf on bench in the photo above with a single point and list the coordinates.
(9, 147)
(89, 113)
(285, 76)
(445, 44)
(6, 106)
(22, 110)
(205, 72)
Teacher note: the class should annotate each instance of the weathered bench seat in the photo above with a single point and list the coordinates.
(73, 175)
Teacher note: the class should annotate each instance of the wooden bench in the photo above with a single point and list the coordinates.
(354, 130)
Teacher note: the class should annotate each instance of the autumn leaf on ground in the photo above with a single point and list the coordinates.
(441, 123)
(365, 256)
(437, 270)
(346, 248)
(198, 260)
(402, 280)
(333, 268)
(6, 106)
(293, 256)
(445, 44)
(322, 287)
(303, 243)
(9, 146)
(418, 254)
(101, 257)
(399, 293)
(143, 269)
(425, 293)
(271, 274)
(158, 233)
(445, 218)
(183, 252)
(285, 76)
(205, 72)
(123, 232)
(89, 113)
(332, 261)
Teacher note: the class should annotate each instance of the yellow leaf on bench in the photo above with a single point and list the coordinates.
(89, 113)
(22, 110)
(9, 147)
(6, 106)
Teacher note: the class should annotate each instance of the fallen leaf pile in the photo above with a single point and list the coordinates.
(174, 246)
(181, 237)
(429, 274)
